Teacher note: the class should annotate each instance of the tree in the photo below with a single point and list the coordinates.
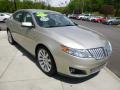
(107, 10)
(48, 7)
(81, 6)
(74, 6)
(117, 6)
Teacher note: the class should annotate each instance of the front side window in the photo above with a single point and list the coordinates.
(18, 16)
(48, 19)
(27, 18)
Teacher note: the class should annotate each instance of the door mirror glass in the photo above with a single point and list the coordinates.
(27, 24)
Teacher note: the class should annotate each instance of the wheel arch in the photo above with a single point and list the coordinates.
(42, 45)
(39, 45)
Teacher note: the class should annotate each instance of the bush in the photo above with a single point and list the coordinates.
(107, 10)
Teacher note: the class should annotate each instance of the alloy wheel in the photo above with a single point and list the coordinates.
(44, 60)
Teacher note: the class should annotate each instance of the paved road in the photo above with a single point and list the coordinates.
(2, 26)
(110, 32)
(113, 34)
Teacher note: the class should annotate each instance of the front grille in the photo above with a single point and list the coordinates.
(101, 52)
(97, 53)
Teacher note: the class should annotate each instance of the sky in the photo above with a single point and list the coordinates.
(55, 3)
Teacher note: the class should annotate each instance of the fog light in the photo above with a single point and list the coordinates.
(76, 71)
(72, 70)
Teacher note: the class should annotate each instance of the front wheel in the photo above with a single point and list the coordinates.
(45, 61)
(110, 23)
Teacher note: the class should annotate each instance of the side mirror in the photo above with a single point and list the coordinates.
(27, 24)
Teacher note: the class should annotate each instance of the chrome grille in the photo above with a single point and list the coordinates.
(100, 53)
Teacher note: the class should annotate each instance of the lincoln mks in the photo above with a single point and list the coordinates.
(58, 44)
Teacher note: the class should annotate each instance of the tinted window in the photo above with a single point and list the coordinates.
(27, 18)
(1, 14)
(52, 20)
(18, 16)
(117, 18)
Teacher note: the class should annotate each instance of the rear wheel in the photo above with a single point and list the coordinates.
(45, 61)
(99, 21)
(4, 20)
(10, 38)
(110, 23)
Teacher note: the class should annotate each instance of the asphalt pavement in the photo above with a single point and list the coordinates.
(2, 26)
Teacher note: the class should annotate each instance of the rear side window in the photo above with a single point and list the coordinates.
(27, 17)
(18, 16)
(86, 15)
(118, 18)
(1, 14)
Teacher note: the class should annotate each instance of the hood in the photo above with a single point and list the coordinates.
(76, 37)
(111, 19)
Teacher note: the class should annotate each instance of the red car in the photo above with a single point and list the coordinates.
(99, 19)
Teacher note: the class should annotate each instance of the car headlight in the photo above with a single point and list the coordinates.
(108, 48)
(82, 53)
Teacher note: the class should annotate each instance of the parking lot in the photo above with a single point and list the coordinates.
(19, 71)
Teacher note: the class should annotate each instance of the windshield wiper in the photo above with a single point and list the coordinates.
(52, 26)
(60, 26)
(69, 25)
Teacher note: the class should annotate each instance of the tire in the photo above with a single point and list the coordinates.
(110, 23)
(99, 21)
(4, 20)
(46, 61)
(10, 38)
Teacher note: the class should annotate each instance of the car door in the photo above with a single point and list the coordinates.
(28, 33)
(15, 26)
(2, 16)
(118, 19)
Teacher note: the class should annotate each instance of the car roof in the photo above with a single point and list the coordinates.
(37, 10)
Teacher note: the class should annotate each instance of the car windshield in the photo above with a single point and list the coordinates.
(49, 20)
(111, 17)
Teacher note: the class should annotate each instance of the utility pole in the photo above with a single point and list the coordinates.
(15, 5)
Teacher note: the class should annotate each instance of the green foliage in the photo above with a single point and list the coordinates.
(75, 6)
(117, 6)
(6, 5)
(82, 6)
(9, 6)
(107, 10)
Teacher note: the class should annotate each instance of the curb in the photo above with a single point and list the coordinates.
(111, 73)
(118, 26)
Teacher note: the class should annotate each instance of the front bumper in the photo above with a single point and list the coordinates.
(67, 64)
